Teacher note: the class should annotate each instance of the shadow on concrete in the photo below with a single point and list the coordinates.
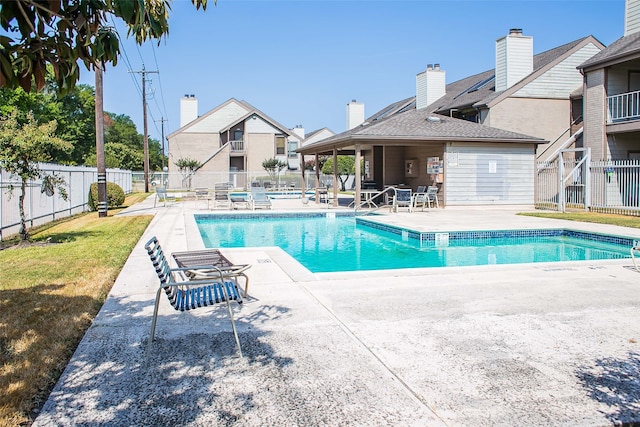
(615, 383)
(193, 373)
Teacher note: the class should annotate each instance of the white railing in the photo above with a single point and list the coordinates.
(237, 146)
(40, 208)
(608, 186)
(625, 106)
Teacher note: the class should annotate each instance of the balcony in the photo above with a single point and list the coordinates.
(237, 146)
(623, 107)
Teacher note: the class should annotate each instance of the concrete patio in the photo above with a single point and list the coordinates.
(530, 344)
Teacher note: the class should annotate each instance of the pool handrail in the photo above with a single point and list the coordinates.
(371, 199)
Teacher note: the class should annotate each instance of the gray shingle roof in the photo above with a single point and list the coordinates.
(459, 96)
(421, 126)
(619, 49)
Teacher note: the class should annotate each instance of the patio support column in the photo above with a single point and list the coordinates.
(303, 186)
(335, 177)
(356, 197)
(317, 179)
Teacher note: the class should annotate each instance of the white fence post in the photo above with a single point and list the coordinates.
(38, 208)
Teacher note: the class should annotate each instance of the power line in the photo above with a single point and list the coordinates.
(155, 59)
(145, 134)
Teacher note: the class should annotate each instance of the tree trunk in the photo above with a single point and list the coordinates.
(343, 182)
(24, 234)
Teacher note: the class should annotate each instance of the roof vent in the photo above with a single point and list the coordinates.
(433, 119)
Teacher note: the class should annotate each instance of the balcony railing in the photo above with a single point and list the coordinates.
(623, 107)
(237, 146)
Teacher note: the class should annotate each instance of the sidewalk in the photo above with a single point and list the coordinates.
(543, 344)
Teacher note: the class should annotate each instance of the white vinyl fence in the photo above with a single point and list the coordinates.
(606, 186)
(40, 208)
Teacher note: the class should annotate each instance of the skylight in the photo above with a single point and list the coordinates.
(477, 86)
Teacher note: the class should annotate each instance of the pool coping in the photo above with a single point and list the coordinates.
(299, 273)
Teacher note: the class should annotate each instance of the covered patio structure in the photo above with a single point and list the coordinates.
(472, 164)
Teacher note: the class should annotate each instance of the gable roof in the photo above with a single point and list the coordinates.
(479, 89)
(317, 131)
(250, 111)
(254, 111)
(415, 127)
(624, 48)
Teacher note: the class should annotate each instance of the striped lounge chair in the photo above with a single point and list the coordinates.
(188, 288)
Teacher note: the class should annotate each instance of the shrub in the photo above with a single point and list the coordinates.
(115, 196)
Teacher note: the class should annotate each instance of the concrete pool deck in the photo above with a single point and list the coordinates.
(529, 344)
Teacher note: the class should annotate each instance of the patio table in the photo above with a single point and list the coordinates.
(212, 258)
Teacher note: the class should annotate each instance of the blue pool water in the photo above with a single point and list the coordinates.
(342, 243)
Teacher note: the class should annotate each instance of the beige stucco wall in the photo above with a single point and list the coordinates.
(543, 118)
(198, 146)
(260, 146)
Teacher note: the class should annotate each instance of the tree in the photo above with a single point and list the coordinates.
(346, 167)
(120, 128)
(22, 148)
(186, 167)
(73, 113)
(62, 32)
(273, 167)
(119, 156)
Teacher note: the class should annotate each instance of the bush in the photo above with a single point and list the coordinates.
(115, 196)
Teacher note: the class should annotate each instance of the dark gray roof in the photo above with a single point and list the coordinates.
(475, 90)
(619, 49)
(313, 132)
(419, 126)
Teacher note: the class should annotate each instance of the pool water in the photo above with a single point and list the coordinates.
(337, 243)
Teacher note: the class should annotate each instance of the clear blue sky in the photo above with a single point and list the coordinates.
(301, 62)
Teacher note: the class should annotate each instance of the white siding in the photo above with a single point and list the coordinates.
(485, 174)
(219, 119)
(514, 60)
(355, 114)
(631, 17)
(430, 86)
(257, 125)
(560, 80)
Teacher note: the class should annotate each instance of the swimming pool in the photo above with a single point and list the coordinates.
(333, 242)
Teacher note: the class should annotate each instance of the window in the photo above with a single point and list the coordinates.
(280, 145)
(237, 135)
(293, 146)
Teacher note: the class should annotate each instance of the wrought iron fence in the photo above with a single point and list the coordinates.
(41, 208)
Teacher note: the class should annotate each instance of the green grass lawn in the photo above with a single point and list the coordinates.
(599, 218)
(49, 294)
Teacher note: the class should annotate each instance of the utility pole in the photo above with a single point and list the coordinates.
(162, 120)
(145, 134)
(100, 160)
